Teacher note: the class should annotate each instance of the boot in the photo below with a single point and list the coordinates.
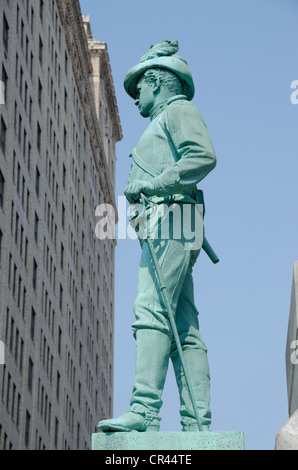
(133, 420)
(196, 363)
(152, 358)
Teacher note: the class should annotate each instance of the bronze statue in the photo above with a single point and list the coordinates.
(172, 156)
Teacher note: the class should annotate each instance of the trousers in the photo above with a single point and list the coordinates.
(176, 264)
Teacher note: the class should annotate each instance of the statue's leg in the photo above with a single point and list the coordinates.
(153, 336)
(152, 358)
(195, 358)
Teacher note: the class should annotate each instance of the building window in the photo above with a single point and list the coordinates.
(16, 229)
(26, 252)
(59, 340)
(36, 222)
(19, 292)
(30, 110)
(66, 62)
(5, 32)
(61, 297)
(37, 181)
(11, 334)
(30, 374)
(24, 302)
(14, 280)
(21, 241)
(22, 34)
(32, 19)
(82, 278)
(3, 135)
(34, 274)
(21, 81)
(58, 386)
(31, 65)
(11, 217)
(78, 436)
(20, 129)
(9, 270)
(24, 144)
(38, 140)
(18, 18)
(39, 93)
(29, 156)
(21, 355)
(27, 203)
(2, 185)
(1, 240)
(5, 82)
(65, 138)
(15, 116)
(17, 68)
(63, 176)
(63, 216)
(65, 100)
(13, 401)
(32, 326)
(62, 256)
(27, 49)
(8, 391)
(26, 96)
(40, 50)
(27, 428)
(16, 347)
(41, 3)
(56, 433)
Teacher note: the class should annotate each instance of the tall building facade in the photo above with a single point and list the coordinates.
(58, 128)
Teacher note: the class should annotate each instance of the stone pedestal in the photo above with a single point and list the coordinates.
(211, 440)
(287, 436)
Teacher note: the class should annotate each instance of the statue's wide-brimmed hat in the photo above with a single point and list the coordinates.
(162, 55)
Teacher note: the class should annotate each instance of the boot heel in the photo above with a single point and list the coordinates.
(153, 425)
(152, 428)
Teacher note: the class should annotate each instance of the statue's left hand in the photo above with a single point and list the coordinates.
(133, 190)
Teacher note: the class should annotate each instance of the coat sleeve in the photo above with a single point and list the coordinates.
(192, 147)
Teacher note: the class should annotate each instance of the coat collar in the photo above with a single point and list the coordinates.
(161, 106)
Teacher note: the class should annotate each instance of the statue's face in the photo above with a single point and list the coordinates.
(145, 99)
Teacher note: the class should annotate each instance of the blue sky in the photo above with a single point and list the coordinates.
(243, 57)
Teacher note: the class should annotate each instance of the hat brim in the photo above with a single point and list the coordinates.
(172, 63)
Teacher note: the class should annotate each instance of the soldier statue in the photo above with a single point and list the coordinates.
(172, 156)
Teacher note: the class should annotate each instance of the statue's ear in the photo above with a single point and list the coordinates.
(156, 85)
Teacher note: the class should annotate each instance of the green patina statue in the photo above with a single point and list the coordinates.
(172, 156)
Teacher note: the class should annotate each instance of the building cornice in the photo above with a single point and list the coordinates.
(78, 50)
(98, 47)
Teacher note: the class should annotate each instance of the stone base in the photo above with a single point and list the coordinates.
(287, 436)
(210, 440)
